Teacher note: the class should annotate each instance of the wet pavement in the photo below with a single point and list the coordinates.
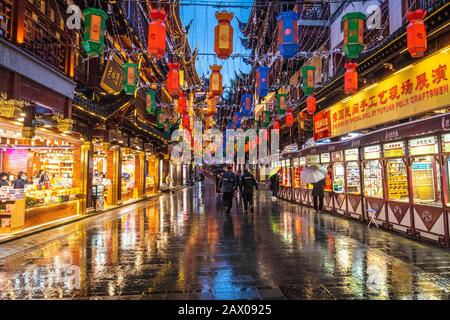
(182, 246)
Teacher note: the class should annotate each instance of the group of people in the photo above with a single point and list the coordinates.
(22, 179)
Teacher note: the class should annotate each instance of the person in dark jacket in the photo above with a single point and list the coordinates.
(274, 184)
(247, 183)
(4, 180)
(22, 180)
(318, 194)
(227, 187)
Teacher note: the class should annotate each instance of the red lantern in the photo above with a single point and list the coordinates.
(276, 125)
(311, 104)
(185, 120)
(182, 102)
(215, 81)
(173, 79)
(157, 34)
(350, 78)
(416, 33)
(223, 35)
(289, 118)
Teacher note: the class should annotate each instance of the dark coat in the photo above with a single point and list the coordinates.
(274, 181)
(228, 182)
(318, 189)
(247, 183)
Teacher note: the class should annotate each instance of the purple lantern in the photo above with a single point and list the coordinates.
(288, 33)
(246, 103)
(262, 80)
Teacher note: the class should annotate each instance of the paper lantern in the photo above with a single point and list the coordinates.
(289, 118)
(167, 126)
(311, 104)
(353, 26)
(215, 81)
(212, 105)
(157, 34)
(308, 79)
(276, 125)
(160, 117)
(265, 118)
(223, 35)
(237, 116)
(246, 104)
(185, 121)
(416, 33)
(130, 78)
(209, 121)
(94, 31)
(262, 80)
(173, 79)
(288, 33)
(182, 102)
(350, 78)
(230, 125)
(150, 101)
(282, 103)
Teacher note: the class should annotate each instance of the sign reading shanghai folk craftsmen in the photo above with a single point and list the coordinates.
(112, 76)
(411, 91)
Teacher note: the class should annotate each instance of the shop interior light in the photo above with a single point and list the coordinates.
(22, 114)
(21, 119)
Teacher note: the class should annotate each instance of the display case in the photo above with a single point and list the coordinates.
(352, 171)
(396, 171)
(338, 172)
(296, 173)
(446, 149)
(373, 172)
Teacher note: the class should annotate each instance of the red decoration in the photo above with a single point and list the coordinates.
(311, 104)
(350, 78)
(223, 35)
(276, 125)
(182, 102)
(215, 81)
(185, 120)
(173, 79)
(157, 34)
(416, 33)
(289, 118)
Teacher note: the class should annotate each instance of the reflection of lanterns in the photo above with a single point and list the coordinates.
(94, 30)
(350, 78)
(353, 26)
(150, 101)
(212, 105)
(262, 80)
(130, 78)
(416, 33)
(215, 81)
(223, 35)
(182, 102)
(311, 104)
(173, 79)
(281, 103)
(288, 33)
(289, 118)
(308, 81)
(246, 103)
(185, 120)
(157, 34)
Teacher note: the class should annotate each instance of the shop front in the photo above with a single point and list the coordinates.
(151, 174)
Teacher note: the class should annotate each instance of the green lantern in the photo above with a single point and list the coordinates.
(150, 101)
(130, 78)
(160, 119)
(265, 118)
(281, 103)
(353, 27)
(167, 126)
(94, 31)
(308, 80)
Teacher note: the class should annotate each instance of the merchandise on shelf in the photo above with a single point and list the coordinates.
(338, 175)
(397, 180)
(353, 178)
(373, 181)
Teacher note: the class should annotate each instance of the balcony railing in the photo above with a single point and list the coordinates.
(5, 19)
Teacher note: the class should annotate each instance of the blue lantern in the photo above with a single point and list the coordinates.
(237, 119)
(262, 80)
(246, 104)
(230, 125)
(288, 33)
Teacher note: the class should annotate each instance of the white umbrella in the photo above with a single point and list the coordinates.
(313, 174)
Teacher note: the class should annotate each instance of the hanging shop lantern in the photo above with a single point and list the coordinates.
(173, 79)
(289, 118)
(262, 81)
(215, 81)
(160, 119)
(416, 33)
(150, 101)
(353, 26)
(311, 104)
(223, 35)
(130, 78)
(276, 125)
(265, 118)
(288, 33)
(281, 103)
(308, 79)
(230, 125)
(237, 116)
(350, 78)
(94, 31)
(185, 121)
(182, 102)
(167, 126)
(246, 104)
(212, 105)
(157, 34)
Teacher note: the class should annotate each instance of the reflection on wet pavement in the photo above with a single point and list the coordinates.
(182, 246)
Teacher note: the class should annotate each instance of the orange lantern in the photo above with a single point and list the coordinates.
(215, 81)
(182, 102)
(212, 105)
(416, 33)
(157, 34)
(173, 79)
(350, 78)
(311, 104)
(289, 118)
(223, 35)
(209, 122)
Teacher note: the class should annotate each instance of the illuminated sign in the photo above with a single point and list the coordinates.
(427, 145)
(394, 149)
(372, 152)
(351, 154)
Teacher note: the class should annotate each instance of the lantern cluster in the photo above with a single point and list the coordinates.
(215, 81)
(157, 34)
(308, 80)
(416, 33)
(288, 33)
(262, 80)
(223, 35)
(130, 78)
(94, 31)
(350, 78)
(173, 79)
(353, 27)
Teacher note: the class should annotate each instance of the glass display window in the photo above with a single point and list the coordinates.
(351, 155)
(422, 146)
(397, 180)
(297, 177)
(338, 177)
(373, 179)
(353, 178)
(372, 152)
(128, 173)
(302, 161)
(336, 156)
(394, 149)
(446, 143)
(313, 159)
(424, 180)
(329, 179)
(325, 158)
(447, 164)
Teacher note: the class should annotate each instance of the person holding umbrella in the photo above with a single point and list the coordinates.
(316, 176)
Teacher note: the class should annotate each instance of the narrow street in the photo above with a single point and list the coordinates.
(182, 246)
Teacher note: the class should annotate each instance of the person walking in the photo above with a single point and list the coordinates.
(247, 184)
(274, 181)
(318, 194)
(227, 187)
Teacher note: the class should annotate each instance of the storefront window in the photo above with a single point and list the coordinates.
(373, 180)
(397, 180)
(100, 182)
(424, 174)
(296, 173)
(446, 149)
(302, 162)
(128, 175)
(338, 177)
(353, 177)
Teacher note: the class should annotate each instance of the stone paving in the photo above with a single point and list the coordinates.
(182, 246)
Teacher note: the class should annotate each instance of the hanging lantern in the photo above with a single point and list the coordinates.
(288, 33)
(173, 79)
(212, 106)
(289, 118)
(281, 103)
(265, 118)
(246, 104)
(237, 119)
(167, 126)
(160, 119)
(215, 81)
(276, 125)
(223, 35)
(416, 33)
(308, 79)
(229, 125)
(262, 81)
(311, 104)
(182, 102)
(350, 78)
(150, 101)
(157, 34)
(209, 122)
(185, 121)
(94, 31)
(353, 27)
(130, 78)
